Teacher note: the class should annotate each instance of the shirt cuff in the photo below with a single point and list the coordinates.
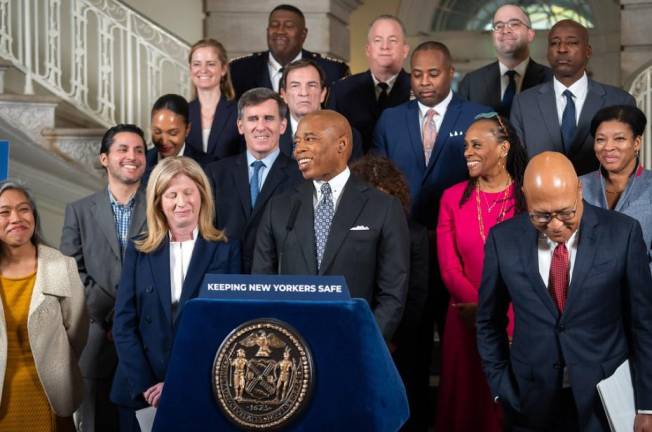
(644, 411)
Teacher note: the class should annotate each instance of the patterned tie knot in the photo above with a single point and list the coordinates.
(325, 190)
(568, 94)
(510, 74)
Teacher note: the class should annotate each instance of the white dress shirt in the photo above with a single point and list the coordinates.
(337, 186)
(390, 84)
(520, 73)
(547, 247)
(440, 108)
(180, 255)
(294, 124)
(579, 89)
(276, 70)
(205, 133)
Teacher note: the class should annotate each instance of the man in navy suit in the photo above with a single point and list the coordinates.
(496, 83)
(557, 115)
(578, 279)
(363, 96)
(406, 134)
(335, 224)
(303, 87)
(241, 185)
(286, 33)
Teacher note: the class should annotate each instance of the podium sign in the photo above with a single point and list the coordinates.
(4, 159)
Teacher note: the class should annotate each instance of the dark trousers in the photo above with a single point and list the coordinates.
(127, 419)
(562, 417)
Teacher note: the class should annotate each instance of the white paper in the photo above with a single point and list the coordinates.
(617, 396)
(145, 418)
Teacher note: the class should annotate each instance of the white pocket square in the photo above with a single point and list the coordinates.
(360, 228)
(455, 133)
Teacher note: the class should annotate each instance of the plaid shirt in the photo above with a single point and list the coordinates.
(122, 216)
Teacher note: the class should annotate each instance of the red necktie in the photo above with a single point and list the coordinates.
(559, 275)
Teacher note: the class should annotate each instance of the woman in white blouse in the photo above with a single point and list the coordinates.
(162, 270)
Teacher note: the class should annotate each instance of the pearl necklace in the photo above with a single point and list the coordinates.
(478, 206)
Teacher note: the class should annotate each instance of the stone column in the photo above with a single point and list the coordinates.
(241, 25)
(635, 37)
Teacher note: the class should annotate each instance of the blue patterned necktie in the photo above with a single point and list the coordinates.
(568, 122)
(254, 184)
(323, 217)
(510, 91)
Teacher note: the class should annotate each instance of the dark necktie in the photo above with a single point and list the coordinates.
(568, 122)
(324, 213)
(254, 184)
(510, 91)
(382, 97)
(559, 276)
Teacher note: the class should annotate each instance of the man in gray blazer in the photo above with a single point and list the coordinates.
(497, 83)
(557, 115)
(335, 224)
(95, 233)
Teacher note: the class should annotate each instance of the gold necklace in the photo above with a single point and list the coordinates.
(478, 207)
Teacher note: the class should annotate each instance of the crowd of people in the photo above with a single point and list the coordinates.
(513, 218)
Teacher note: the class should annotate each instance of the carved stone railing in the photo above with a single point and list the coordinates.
(641, 89)
(101, 56)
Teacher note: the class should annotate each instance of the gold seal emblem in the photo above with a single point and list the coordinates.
(262, 375)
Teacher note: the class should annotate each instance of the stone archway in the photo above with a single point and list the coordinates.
(641, 89)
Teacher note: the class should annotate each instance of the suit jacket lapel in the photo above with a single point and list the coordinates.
(447, 126)
(400, 87)
(548, 110)
(414, 130)
(286, 141)
(240, 176)
(219, 121)
(274, 177)
(584, 258)
(194, 115)
(263, 77)
(104, 217)
(530, 257)
(492, 85)
(594, 101)
(351, 203)
(159, 266)
(532, 75)
(304, 225)
(202, 256)
(139, 216)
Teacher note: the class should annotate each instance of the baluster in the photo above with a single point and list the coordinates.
(27, 33)
(53, 52)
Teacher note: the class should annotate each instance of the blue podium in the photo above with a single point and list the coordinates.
(355, 384)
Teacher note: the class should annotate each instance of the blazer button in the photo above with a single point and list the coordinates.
(148, 319)
(557, 366)
(149, 289)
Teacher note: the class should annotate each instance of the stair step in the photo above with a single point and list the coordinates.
(80, 146)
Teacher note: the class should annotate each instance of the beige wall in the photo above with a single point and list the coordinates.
(183, 18)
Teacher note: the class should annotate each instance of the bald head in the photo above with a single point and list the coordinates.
(510, 11)
(323, 144)
(552, 190)
(574, 25)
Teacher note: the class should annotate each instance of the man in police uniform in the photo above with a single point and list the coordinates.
(286, 33)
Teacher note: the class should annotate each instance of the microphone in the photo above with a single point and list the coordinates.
(296, 205)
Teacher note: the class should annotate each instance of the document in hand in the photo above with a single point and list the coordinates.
(145, 418)
(617, 396)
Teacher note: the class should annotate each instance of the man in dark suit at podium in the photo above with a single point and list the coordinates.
(244, 183)
(286, 33)
(579, 281)
(303, 87)
(334, 224)
(497, 83)
(362, 97)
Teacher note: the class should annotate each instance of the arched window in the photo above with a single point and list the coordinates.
(477, 16)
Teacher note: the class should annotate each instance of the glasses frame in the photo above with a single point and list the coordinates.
(562, 216)
(511, 25)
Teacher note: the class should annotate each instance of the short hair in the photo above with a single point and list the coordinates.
(390, 18)
(109, 135)
(258, 95)
(433, 46)
(11, 184)
(300, 64)
(226, 85)
(172, 102)
(527, 16)
(628, 114)
(159, 181)
(383, 174)
(288, 8)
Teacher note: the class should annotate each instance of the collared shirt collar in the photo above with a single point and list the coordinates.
(195, 232)
(579, 88)
(520, 68)
(571, 243)
(130, 201)
(390, 83)
(441, 107)
(294, 124)
(275, 65)
(267, 160)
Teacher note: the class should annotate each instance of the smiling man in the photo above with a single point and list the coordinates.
(557, 115)
(578, 279)
(243, 184)
(496, 83)
(95, 232)
(286, 34)
(334, 224)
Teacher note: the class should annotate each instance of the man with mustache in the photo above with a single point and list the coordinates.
(496, 83)
(557, 115)
(286, 34)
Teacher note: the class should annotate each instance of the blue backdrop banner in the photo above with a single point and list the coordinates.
(274, 287)
(4, 159)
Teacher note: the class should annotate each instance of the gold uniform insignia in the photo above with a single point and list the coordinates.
(262, 375)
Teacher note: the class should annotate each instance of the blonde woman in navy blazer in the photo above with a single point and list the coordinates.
(621, 183)
(162, 270)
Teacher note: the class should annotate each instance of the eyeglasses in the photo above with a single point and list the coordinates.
(511, 25)
(546, 218)
(490, 116)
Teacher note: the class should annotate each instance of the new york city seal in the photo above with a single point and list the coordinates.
(263, 375)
